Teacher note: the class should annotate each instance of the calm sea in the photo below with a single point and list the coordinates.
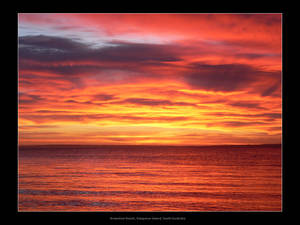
(149, 178)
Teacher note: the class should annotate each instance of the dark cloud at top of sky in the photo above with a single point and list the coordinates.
(47, 42)
(70, 60)
(45, 53)
(56, 49)
(227, 77)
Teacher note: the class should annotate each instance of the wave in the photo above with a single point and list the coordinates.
(156, 194)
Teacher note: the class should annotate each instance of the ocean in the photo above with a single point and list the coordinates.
(149, 178)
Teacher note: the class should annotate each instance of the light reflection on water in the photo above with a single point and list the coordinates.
(145, 178)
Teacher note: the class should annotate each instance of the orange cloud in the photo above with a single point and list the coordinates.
(180, 79)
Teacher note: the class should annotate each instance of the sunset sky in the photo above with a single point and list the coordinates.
(162, 79)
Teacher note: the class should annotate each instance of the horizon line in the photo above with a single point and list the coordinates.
(36, 145)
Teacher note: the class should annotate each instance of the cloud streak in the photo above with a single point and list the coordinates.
(56, 49)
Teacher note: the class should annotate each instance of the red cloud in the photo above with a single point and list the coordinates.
(210, 72)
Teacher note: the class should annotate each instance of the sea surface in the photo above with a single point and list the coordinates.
(149, 178)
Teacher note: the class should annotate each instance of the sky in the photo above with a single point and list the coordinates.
(153, 79)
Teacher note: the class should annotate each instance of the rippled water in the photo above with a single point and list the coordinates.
(149, 178)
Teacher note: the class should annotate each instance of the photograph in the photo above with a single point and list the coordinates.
(149, 112)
